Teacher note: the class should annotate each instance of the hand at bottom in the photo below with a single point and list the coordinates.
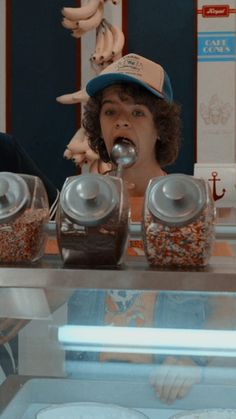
(174, 378)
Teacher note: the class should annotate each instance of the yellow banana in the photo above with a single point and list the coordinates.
(96, 56)
(77, 33)
(116, 57)
(91, 155)
(99, 166)
(67, 154)
(78, 159)
(106, 54)
(80, 96)
(93, 21)
(83, 12)
(71, 98)
(118, 39)
(69, 24)
(93, 168)
(115, 1)
(78, 143)
(79, 150)
(103, 167)
(96, 67)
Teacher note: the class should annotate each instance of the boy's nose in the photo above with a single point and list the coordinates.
(122, 123)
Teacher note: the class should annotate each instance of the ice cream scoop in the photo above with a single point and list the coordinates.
(123, 154)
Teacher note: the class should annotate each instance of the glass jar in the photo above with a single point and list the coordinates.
(24, 211)
(92, 220)
(178, 221)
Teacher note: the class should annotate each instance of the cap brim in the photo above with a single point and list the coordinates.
(104, 80)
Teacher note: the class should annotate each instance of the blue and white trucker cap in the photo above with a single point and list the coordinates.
(135, 69)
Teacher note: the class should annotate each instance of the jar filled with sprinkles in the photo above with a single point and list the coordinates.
(24, 211)
(178, 221)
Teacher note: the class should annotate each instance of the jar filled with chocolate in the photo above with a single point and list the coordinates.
(178, 221)
(24, 211)
(92, 220)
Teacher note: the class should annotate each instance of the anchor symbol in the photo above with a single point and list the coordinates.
(214, 193)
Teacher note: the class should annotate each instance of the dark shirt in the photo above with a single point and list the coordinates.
(13, 158)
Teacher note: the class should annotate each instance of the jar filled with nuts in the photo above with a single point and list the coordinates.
(24, 211)
(178, 221)
(92, 221)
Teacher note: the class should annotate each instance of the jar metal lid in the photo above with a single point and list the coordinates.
(14, 196)
(176, 198)
(89, 199)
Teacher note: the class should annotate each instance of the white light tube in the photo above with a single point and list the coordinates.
(148, 340)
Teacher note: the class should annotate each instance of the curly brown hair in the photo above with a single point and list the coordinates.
(166, 118)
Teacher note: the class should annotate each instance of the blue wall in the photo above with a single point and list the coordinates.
(43, 64)
(163, 31)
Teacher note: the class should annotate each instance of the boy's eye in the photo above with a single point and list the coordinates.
(109, 112)
(138, 112)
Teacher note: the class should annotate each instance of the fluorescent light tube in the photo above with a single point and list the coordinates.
(148, 340)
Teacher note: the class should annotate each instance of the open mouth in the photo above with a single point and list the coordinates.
(124, 140)
(124, 152)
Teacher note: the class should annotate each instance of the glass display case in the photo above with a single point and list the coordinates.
(159, 343)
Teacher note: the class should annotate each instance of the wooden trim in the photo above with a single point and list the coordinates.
(8, 66)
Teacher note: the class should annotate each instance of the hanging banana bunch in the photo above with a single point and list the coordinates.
(79, 151)
(109, 38)
(80, 20)
(83, 19)
(109, 44)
